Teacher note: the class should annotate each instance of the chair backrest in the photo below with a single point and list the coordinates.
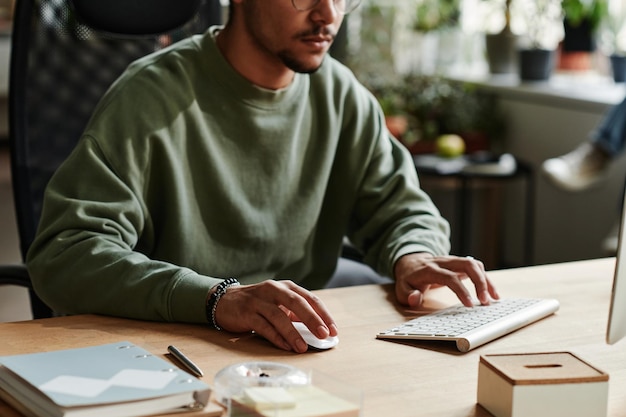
(60, 68)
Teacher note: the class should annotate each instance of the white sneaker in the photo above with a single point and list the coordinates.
(578, 169)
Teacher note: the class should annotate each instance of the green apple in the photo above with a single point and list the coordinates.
(450, 146)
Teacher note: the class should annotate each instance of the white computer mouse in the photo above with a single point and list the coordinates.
(312, 340)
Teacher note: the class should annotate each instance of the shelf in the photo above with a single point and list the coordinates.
(590, 91)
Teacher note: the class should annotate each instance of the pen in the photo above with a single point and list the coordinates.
(185, 360)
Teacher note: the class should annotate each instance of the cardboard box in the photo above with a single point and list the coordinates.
(541, 384)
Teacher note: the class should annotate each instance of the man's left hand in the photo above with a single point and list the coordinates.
(416, 273)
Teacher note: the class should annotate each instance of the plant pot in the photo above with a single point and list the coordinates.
(578, 38)
(397, 125)
(501, 51)
(577, 46)
(536, 64)
(618, 67)
(575, 60)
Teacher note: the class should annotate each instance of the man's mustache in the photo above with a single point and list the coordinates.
(317, 31)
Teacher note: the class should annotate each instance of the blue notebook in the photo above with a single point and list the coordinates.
(119, 379)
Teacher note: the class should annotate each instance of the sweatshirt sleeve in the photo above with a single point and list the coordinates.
(393, 215)
(84, 258)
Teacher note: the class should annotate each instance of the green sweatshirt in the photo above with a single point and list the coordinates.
(188, 174)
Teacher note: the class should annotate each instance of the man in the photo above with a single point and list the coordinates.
(248, 153)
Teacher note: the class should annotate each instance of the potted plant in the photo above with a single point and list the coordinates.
(541, 22)
(437, 24)
(581, 21)
(391, 95)
(500, 41)
(420, 108)
(612, 40)
(434, 15)
(373, 33)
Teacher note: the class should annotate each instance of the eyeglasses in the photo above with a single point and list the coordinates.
(342, 6)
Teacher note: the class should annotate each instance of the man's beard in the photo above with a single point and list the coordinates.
(296, 65)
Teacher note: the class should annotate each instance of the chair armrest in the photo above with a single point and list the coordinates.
(349, 251)
(18, 275)
(15, 275)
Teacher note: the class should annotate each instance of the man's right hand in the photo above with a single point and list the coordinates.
(268, 308)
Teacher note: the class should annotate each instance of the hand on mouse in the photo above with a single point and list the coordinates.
(269, 308)
(312, 340)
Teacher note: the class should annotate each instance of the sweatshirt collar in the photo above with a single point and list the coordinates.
(237, 85)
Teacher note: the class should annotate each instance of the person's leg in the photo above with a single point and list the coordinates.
(351, 272)
(587, 164)
(610, 136)
(578, 169)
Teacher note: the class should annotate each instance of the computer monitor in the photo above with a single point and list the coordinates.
(616, 328)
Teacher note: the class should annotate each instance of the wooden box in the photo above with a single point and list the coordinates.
(541, 384)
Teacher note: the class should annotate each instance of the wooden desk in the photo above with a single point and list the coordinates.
(397, 379)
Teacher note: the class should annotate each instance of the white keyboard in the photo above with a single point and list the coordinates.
(471, 327)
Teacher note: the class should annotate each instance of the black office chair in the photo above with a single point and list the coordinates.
(65, 54)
